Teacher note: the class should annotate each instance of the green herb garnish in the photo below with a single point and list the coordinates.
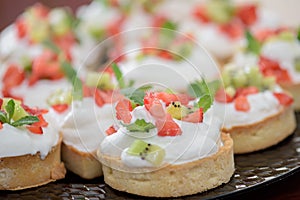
(118, 75)
(253, 45)
(6, 117)
(71, 75)
(140, 125)
(205, 102)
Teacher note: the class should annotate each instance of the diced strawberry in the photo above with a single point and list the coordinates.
(195, 117)
(263, 34)
(234, 30)
(169, 98)
(13, 76)
(45, 66)
(157, 110)
(34, 111)
(159, 20)
(165, 55)
(148, 99)
(115, 27)
(1, 126)
(98, 98)
(40, 10)
(42, 122)
(222, 96)
(35, 129)
(21, 28)
(283, 98)
(246, 91)
(123, 109)
(60, 108)
(168, 127)
(200, 14)
(241, 104)
(111, 130)
(247, 14)
(272, 68)
(1, 102)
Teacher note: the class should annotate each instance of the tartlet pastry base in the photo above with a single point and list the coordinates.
(172, 180)
(83, 164)
(263, 134)
(22, 172)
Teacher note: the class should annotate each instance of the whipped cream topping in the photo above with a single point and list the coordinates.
(262, 106)
(85, 125)
(198, 140)
(37, 94)
(19, 141)
(285, 53)
(180, 73)
(15, 49)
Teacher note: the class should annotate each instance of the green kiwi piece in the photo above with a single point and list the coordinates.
(146, 151)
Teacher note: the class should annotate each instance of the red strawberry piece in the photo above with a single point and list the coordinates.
(195, 117)
(13, 76)
(247, 14)
(1, 102)
(123, 109)
(241, 104)
(200, 14)
(222, 96)
(246, 91)
(60, 108)
(168, 127)
(283, 98)
(111, 130)
(157, 110)
(234, 30)
(35, 129)
(21, 28)
(98, 98)
(1, 125)
(263, 34)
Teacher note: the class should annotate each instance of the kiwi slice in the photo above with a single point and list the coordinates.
(19, 111)
(220, 11)
(176, 110)
(146, 151)
(99, 80)
(60, 97)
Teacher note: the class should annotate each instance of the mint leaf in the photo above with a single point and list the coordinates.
(71, 75)
(298, 34)
(118, 75)
(205, 102)
(50, 45)
(10, 109)
(136, 95)
(77, 89)
(68, 71)
(253, 45)
(201, 88)
(140, 125)
(3, 117)
(169, 25)
(27, 120)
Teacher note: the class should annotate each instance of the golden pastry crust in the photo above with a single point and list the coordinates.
(293, 89)
(172, 180)
(263, 134)
(21, 172)
(84, 164)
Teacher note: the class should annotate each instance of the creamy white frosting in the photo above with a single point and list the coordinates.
(176, 75)
(37, 94)
(85, 125)
(262, 105)
(198, 140)
(19, 141)
(15, 49)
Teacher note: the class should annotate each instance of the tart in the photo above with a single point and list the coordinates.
(30, 147)
(277, 53)
(258, 113)
(162, 145)
(85, 122)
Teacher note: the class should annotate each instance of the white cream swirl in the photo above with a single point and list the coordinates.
(85, 125)
(19, 141)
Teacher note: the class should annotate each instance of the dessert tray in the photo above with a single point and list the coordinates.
(252, 170)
